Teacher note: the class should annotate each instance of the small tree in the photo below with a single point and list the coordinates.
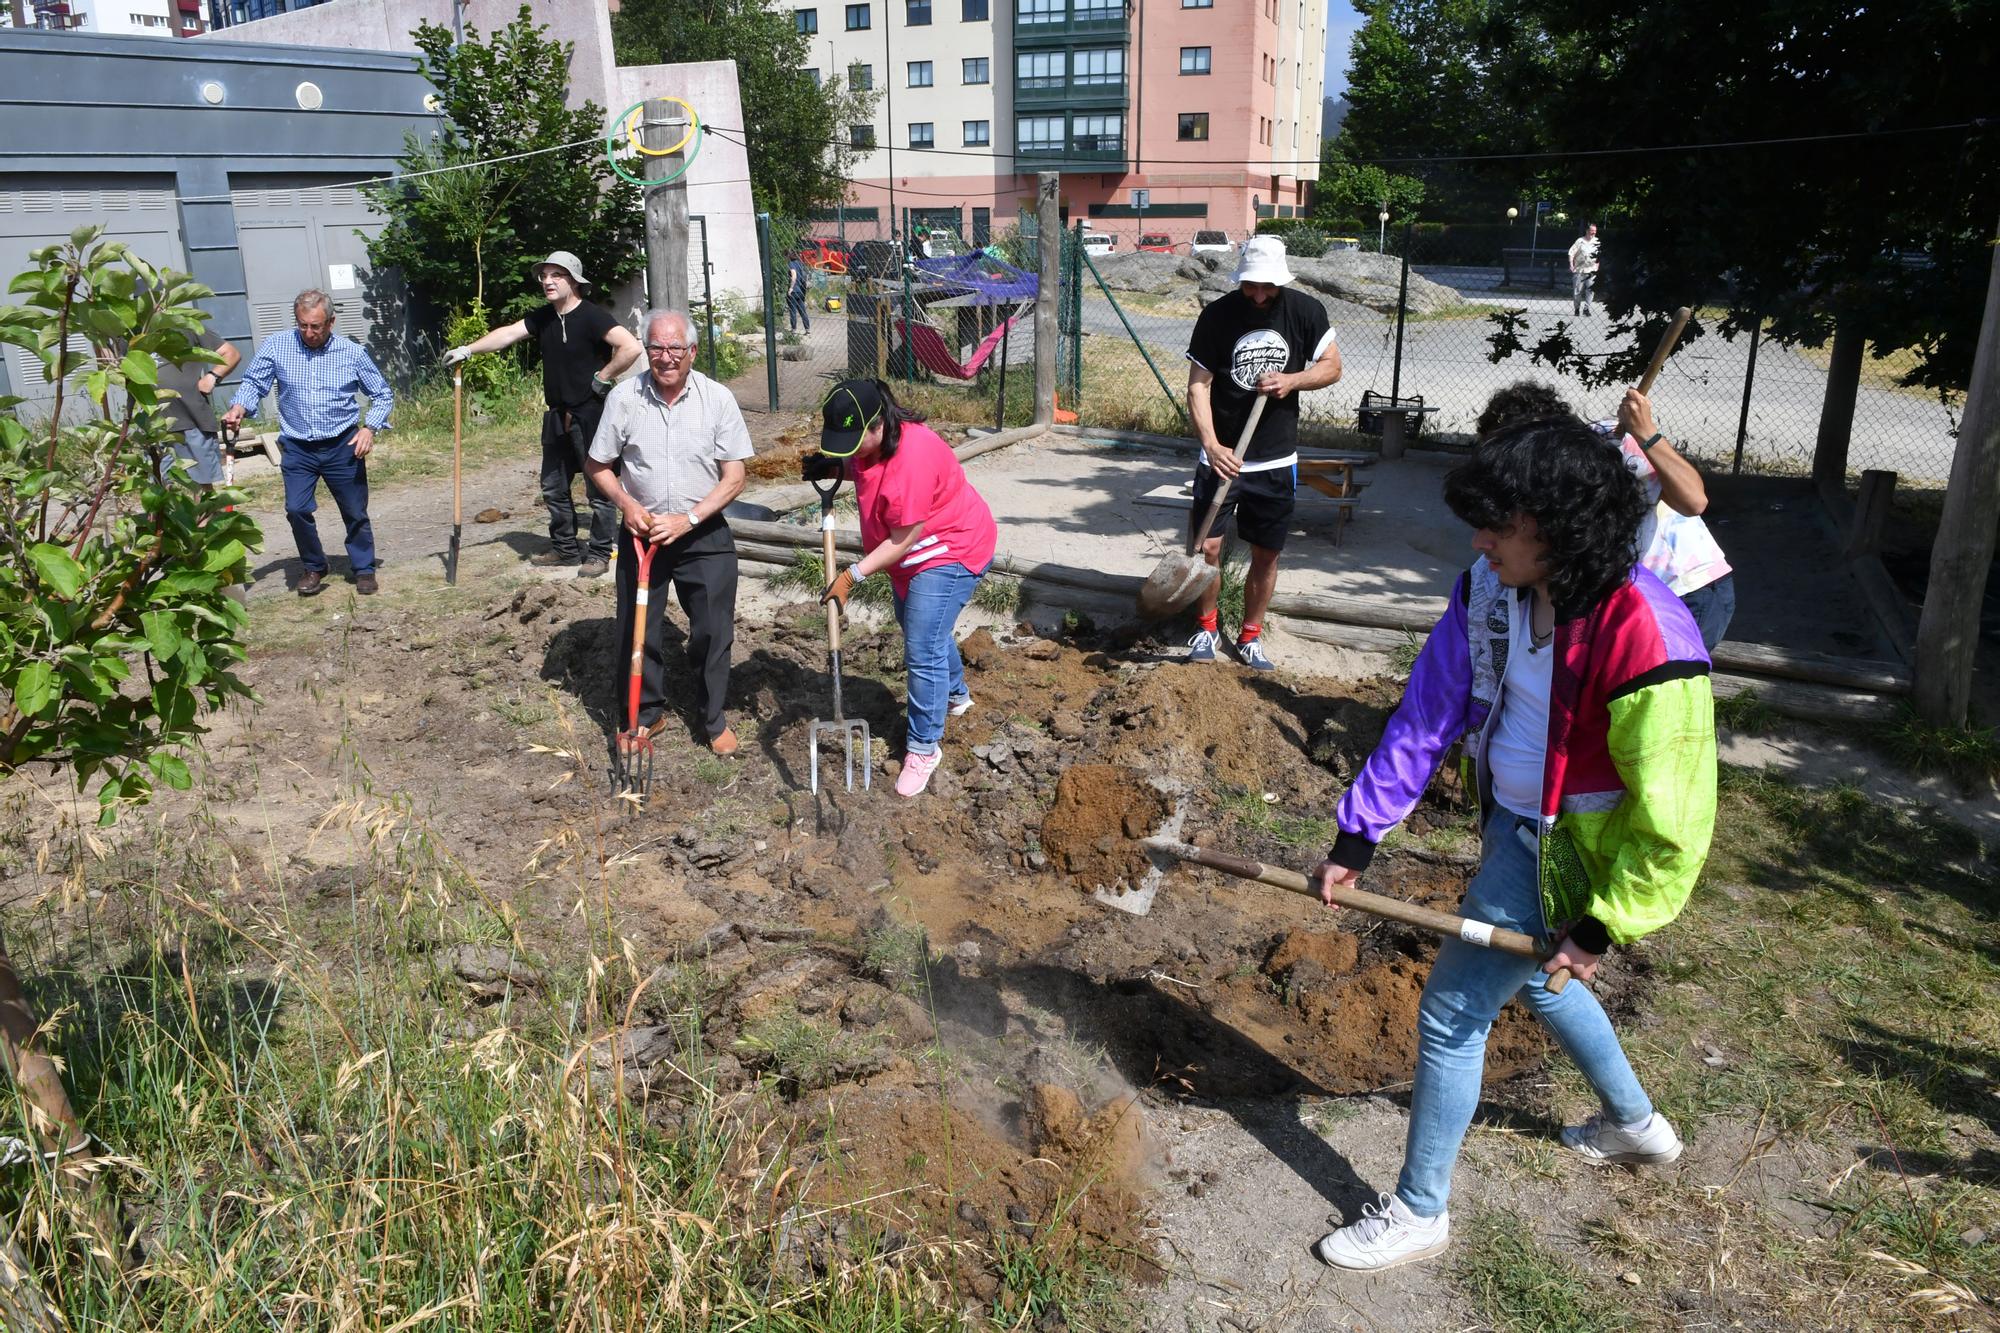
(464, 225)
(116, 627)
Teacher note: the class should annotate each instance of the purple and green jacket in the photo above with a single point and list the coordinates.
(1628, 781)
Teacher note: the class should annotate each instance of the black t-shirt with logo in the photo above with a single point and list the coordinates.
(574, 347)
(1236, 342)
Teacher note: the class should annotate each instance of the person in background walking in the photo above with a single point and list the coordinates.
(584, 351)
(1263, 338)
(796, 312)
(1674, 542)
(925, 525)
(669, 454)
(1583, 270)
(1581, 692)
(317, 374)
(191, 413)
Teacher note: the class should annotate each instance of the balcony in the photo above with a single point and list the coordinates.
(1085, 152)
(1059, 94)
(1081, 24)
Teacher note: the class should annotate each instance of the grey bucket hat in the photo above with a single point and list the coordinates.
(567, 262)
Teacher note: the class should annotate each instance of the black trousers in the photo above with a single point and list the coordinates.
(566, 436)
(702, 568)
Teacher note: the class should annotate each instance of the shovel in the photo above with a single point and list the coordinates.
(1395, 909)
(1179, 579)
(457, 500)
(1666, 347)
(843, 727)
(632, 749)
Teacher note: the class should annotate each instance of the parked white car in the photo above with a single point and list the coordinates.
(1097, 244)
(1212, 243)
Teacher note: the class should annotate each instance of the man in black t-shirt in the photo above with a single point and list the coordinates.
(584, 351)
(1262, 338)
(192, 415)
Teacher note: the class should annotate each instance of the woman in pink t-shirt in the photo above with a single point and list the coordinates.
(924, 525)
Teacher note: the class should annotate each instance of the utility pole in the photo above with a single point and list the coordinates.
(666, 208)
(1962, 555)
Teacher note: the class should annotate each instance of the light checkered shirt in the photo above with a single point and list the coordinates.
(315, 388)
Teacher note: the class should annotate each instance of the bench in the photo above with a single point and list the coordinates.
(1529, 260)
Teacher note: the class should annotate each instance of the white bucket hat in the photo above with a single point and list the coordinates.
(567, 262)
(1263, 260)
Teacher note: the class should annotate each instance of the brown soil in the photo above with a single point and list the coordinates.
(1099, 810)
(1067, 1025)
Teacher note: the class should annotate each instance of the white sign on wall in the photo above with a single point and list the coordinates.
(340, 277)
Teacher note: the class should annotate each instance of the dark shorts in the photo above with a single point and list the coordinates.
(1261, 502)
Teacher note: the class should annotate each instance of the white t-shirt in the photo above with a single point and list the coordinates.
(1583, 255)
(1520, 743)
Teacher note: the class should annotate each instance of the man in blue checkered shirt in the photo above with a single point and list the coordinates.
(320, 428)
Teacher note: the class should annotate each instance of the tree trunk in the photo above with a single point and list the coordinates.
(1962, 555)
(1836, 413)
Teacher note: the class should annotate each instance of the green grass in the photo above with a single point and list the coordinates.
(808, 575)
(998, 594)
(1520, 1285)
(1968, 755)
(1744, 712)
(1300, 832)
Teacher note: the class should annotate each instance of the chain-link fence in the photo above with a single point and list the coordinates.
(1426, 334)
(939, 303)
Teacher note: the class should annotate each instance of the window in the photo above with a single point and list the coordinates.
(814, 74)
(975, 11)
(857, 18)
(1028, 12)
(920, 73)
(806, 20)
(1099, 134)
(1040, 69)
(1038, 134)
(978, 69)
(861, 136)
(1195, 59)
(1197, 4)
(919, 13)
(923, 134)
(861, 77)
(1098, 65)
(1194, 125)
(1088, 11)
(978, 133)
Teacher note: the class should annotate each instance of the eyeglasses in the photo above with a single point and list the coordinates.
(671, 349)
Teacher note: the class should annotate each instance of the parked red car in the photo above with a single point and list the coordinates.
(1156, 242)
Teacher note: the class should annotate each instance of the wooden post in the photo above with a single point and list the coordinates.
(1836, 413)
(666, 210)
(1871, 513)
(1962, 555)
(1048, 224)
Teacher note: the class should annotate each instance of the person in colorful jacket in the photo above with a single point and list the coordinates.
(1580, 688)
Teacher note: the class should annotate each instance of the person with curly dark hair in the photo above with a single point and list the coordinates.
(1674, 542)
(1580, 688)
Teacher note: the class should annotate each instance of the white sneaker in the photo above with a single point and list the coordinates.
(1600, 1140)
(959, 705)
(1387, 1235)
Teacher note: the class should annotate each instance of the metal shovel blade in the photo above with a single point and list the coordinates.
(1175, 582)
(846, 729)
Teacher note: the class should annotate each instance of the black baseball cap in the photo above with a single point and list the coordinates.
(846, 416)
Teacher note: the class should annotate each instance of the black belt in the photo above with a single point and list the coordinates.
(344, 436)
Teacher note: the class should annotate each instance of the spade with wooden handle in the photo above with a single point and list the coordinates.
(457, 494)
(1394, 909)
(1180, 578)
(1665, 349)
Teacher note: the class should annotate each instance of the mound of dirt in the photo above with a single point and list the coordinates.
(1100, 811)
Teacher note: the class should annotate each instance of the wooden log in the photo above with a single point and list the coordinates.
(1871, 513)
(1810, 703)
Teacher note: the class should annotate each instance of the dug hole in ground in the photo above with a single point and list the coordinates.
(968, 1050)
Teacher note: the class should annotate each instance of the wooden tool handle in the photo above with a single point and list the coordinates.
(1665, 349)
(1393, 909)
(828, 565)
(1223, 483)
(457, 433)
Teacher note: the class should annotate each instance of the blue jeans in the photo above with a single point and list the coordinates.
(1467, 987)
(306, 464)
(1713, 607)
(932, 668)
(202, 452)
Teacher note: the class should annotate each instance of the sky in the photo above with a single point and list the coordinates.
(1341, 22)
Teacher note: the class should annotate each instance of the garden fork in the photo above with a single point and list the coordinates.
(844, 727)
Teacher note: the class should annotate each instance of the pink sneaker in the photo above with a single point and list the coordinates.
(916, 774)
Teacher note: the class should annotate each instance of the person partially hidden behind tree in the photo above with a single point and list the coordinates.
(1580, 689)
(584, 351)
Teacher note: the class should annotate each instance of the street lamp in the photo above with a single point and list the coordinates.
(1382, 227)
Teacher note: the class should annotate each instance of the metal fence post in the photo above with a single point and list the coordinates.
(1402, 312)
(1076, 325)
(907, 360)
(1749, 378)
(770, 321)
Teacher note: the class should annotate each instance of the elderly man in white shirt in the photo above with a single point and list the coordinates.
(669, 453)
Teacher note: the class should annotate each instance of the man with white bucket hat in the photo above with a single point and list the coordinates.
(584, 351)
(1266, 339)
